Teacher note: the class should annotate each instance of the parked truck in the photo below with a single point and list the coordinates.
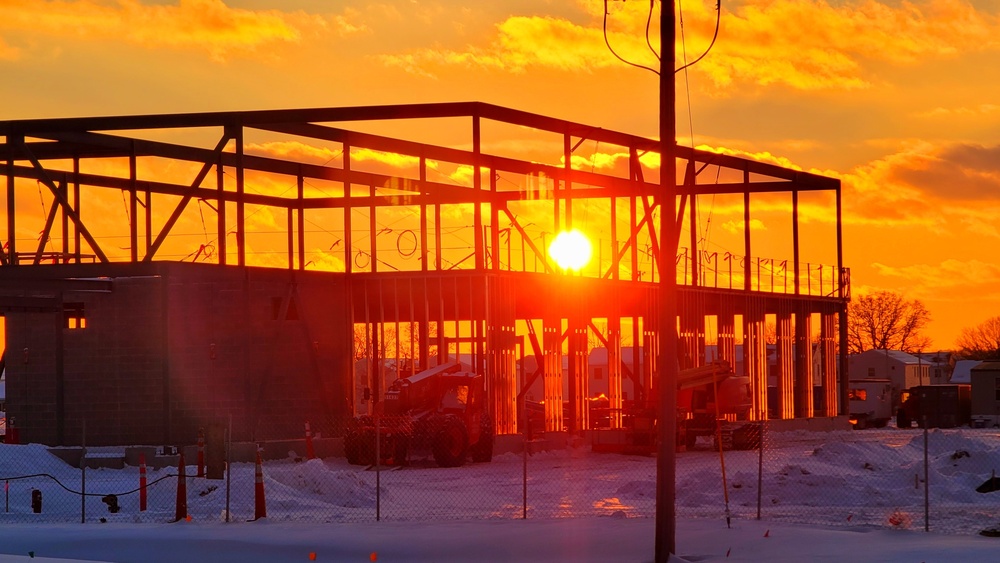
(935, 406)
(870, 403)
(440, 411)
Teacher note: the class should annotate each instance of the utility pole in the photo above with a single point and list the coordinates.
(666, 461)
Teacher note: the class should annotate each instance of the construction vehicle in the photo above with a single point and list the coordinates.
(440, 410)
(870, 403)
(713, 401)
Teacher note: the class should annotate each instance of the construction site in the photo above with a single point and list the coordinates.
(259, 269)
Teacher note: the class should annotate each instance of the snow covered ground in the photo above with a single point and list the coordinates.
(861, 494)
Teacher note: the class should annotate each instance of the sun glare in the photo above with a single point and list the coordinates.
(570, 249)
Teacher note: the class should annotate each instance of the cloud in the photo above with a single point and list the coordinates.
(8, 53)
(737, 226)
(524, 42)
(953, 173)
(206, 25)
(973, 111)
(942, 188)
(801, 44)
(933, 280)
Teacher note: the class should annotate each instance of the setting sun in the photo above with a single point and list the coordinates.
(570, 249)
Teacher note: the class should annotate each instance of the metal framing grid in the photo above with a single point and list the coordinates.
(55, 152)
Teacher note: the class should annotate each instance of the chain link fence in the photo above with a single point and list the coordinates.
(943, 480)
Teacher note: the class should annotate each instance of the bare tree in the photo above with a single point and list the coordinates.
(981, 342)
(886, 321)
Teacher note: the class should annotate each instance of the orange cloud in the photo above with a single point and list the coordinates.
(207, 25)
(737, 226)
(973, 111)
(812, 44)
(802, 44)
(8, 53)
(932, 281)
(523, 42)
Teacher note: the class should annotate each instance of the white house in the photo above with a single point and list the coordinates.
(940, 365)
(902, 369)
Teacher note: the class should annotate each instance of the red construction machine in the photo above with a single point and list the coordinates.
(440, 410)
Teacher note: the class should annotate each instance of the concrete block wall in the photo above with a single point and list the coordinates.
(164, 355)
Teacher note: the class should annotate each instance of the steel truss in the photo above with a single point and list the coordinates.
(484, 288)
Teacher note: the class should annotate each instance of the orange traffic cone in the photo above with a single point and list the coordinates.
(310, 452)
(201, 453)
(142, 482)
(260, 505)
(182, 503)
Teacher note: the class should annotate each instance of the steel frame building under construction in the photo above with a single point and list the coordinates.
(119, 329)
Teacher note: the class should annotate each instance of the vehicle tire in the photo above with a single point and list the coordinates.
(690, 440)
(359, 441)
(482, 451)
(451, 442)
(861, 423)
(902, 421)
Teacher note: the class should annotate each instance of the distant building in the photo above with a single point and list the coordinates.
(902, 369)
(962, 373)
(940, 365)
(985, 378)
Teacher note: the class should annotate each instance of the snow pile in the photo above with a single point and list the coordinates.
(315, 481)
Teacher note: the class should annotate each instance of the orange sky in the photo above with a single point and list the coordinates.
(897, 99)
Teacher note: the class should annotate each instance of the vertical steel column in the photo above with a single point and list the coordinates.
(755, 354)
(502, 351)
(423, 214)
(301, 221)
(568, 181)
(290, 229)
(372, 234)
(442, 350)
(692, 320)
(615, 386)
(786, 360)
(747, 269)
(348, 209)
(495, 224)
(76, 208)
(693, 228)
(12, 139)
(133, 206)
(552, 377)
(220, 226)
(795, 241)
(804, 407)
(843, 293)
(477, 187)
(425, 327)
(578, 376)
(241, 226)
(828, 337)
(726, 322)
(652, 340)
(633, 217)
(64, 223)
(148, 212)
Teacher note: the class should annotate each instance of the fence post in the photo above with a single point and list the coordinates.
(927, 481)
(760, 465)
(378, 468)
(229, 461)
(524, 474)
(83, 473)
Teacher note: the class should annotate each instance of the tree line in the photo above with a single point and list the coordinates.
(885, 320)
